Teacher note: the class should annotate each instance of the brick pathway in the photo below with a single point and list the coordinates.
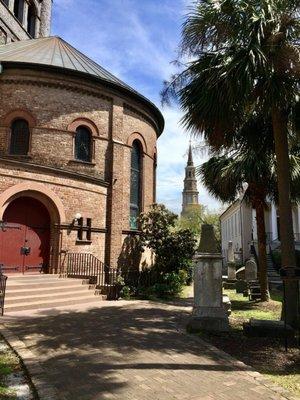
(132, 350)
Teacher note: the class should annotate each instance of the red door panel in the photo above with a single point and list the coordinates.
(25, 239)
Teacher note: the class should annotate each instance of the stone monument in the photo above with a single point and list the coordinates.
(208, 312)
(250, 270)
(231, 271)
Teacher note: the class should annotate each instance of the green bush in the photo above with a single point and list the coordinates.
(125, 292)
(171, 286)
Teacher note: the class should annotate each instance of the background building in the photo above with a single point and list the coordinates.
(238, 225)
(24, 19)
(190, 194)
(77, 152)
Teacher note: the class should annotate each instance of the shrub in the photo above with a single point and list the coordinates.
(171, 285)
(125, 293)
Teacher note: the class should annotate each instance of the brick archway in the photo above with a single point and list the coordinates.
(53, 205)
(38, 191)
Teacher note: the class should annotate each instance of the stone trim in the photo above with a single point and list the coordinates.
(61, 172)
(75, 87)
(137, 136)
(58, 85)
(83, 122)
(39, 191)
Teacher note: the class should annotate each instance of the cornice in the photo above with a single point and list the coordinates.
(58, 171)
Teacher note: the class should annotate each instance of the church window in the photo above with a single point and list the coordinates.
(19, 10)
(20, 137)
(154, 177)
(83, 144)
(135, 184)
(31, 20)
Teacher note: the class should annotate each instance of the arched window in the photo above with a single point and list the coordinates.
(31, 20)
(19, 10)
(135, 184)
(83, 144)
(20, 136)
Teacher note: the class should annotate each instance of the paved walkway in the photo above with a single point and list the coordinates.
(132, 350)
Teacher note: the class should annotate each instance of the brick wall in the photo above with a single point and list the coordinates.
(100, 190)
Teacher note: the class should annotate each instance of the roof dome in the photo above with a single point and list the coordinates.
(54, 52)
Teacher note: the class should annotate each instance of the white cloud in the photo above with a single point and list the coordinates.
(136, 41)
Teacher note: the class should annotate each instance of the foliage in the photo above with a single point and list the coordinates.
(168, 285)
(245, 60)
(125, 292)
(174, 249)
(194, 218)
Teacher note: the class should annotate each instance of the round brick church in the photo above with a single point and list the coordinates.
(77, 158)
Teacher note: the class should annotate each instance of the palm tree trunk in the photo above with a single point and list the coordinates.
(262, 251)
(288, 256)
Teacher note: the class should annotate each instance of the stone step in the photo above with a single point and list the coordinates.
(33, 285)
(42, 291)
(15, 299)
(36, 305)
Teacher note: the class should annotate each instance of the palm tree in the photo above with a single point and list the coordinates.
(246, 59)
(251, 161)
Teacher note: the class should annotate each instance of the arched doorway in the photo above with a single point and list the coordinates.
(25, 236)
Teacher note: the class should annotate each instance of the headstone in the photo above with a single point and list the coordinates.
(231, 270)
(250, 270)
(208, 311)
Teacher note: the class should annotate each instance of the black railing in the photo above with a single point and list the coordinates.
(87, 266)
(3, 280)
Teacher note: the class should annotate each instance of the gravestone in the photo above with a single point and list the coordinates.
(231, 271)
(250, 270)
(208, 311)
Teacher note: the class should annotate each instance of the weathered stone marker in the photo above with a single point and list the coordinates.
(250, 270)
(231, 271)
(208, 312)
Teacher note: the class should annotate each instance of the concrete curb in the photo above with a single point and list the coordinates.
(36, 372)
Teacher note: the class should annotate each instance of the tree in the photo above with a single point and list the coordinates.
(174, 249)
(194, 218)
(246, 59)
(251, 161)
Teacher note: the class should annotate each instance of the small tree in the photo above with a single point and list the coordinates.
(194, 218)
(173, 248)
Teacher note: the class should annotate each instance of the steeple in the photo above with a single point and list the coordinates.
(190, 157)
(190, 192)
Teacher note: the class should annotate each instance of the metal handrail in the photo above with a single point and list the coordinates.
(3, 280)
(86, 266)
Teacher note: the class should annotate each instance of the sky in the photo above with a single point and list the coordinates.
(137, 40)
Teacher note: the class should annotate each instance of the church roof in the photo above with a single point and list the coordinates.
(54, 52)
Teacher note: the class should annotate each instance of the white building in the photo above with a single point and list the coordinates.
(238, 225)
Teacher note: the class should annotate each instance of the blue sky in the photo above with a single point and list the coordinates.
(136, 40)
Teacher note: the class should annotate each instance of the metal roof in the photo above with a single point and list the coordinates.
(54, 52)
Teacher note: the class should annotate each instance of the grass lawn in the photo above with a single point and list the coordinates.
(8, 364)
(266, 355)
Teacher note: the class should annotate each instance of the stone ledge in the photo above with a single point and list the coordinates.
(36, 372)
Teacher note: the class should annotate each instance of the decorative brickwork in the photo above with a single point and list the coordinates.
(54, 105)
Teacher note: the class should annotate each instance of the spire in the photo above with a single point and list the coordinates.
(190, 158)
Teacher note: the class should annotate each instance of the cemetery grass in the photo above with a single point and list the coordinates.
(266, 355)
(9, 363)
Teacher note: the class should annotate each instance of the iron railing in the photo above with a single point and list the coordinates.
(3, 280)
(87, 266)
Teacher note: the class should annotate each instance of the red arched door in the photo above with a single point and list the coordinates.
(25, 236)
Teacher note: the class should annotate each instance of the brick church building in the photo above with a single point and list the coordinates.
(77, 149)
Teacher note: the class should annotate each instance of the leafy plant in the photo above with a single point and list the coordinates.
(174, 249)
